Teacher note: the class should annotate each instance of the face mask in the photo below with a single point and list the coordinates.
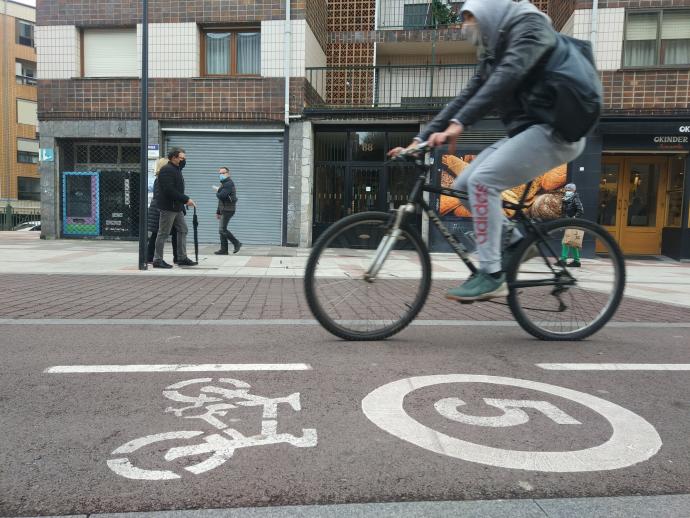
(183, 163)
(470, 32)
(569, 195)
(222, 177)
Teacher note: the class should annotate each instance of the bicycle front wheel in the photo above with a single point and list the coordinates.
(344, 300)
(568, 285)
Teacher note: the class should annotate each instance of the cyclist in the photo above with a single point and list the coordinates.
(512, 40)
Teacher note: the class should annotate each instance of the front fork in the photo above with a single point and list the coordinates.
(388, 242)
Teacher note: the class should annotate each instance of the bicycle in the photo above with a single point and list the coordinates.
(369, 275)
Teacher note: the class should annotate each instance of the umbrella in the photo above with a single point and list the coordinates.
(195, 224)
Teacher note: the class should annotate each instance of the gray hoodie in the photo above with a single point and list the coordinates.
(493, 15)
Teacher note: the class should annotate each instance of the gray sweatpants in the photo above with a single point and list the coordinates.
(508, 163)
(165, 224)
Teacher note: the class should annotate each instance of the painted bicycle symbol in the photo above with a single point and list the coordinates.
(213, 405)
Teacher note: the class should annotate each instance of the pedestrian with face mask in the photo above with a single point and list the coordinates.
(571, 208)
(515, 41)
(154, 220)
(171, 200)
(227, 203)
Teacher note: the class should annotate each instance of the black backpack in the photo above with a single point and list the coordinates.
(567, 93)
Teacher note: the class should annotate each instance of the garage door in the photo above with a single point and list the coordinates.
(256, 165)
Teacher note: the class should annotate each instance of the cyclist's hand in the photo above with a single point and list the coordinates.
(452, 132)
(395, 152)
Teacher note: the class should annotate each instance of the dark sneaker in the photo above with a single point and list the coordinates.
(480, 287)
(221, 252)
(187, 262)
(161, 264)
(574, 264)
(238, 245)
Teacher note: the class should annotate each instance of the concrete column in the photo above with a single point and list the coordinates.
(300, 184)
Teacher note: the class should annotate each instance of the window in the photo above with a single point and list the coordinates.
(27, 151)
(25, 73)
(674, 191)
(657, 38)
(416, 16)
(28, 188)
(27, 112)
(25, 33)
(229, 53)
(110, 53)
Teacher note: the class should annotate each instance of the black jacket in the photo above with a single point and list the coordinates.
(504, 75)
(572, 208)
(227, 197)
(168, 190)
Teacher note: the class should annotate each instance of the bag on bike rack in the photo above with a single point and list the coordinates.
(573, 237)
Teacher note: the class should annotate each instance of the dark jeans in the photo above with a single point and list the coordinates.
(225, 234)
(152, 245)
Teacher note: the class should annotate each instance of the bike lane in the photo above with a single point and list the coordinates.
(286, 415)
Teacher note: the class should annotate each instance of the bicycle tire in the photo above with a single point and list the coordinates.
(322, 316)
(615, 256)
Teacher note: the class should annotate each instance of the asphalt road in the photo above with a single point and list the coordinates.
(629, 429)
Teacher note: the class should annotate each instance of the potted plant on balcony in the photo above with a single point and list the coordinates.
(444, 15)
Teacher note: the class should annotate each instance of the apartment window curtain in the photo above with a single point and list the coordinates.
(675, 36)
(218, 53)
(641, 40)
(249, 53)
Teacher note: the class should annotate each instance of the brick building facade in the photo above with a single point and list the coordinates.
(19, 183)
(365, 75)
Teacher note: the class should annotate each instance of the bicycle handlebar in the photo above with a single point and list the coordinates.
(412, 153)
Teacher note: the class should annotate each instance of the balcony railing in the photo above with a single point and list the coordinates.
(386, 86)
(26, 80)
(417, 14)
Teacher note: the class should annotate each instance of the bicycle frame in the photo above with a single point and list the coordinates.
(416, 198)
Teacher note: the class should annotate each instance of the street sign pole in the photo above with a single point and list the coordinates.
(143, 174)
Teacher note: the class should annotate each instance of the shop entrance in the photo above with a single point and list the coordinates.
(638, 196)
(350, 175)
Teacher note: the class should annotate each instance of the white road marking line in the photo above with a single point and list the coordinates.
(614, 366)
(292, 322)
(179, 367)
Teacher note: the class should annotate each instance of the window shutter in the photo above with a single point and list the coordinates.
(110, 53)
(641, 27)
(27, 145)
(27, 112)
(676, 25)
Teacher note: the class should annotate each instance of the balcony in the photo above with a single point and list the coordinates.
(417, 14)
(385, 88)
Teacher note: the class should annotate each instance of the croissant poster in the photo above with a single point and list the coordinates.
(544, 197)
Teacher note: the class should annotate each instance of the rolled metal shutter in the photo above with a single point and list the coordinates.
(256, 165)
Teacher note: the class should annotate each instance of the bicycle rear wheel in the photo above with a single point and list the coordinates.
(575, 301)
(351, 307)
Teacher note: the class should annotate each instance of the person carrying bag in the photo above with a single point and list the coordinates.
(572, 239)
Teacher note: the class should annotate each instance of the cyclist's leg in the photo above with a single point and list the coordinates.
(516, 161)
(462, 183)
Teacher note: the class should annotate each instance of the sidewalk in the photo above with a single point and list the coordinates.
(670, 506)
(657, 279)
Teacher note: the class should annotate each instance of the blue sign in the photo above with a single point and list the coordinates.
(46, 154)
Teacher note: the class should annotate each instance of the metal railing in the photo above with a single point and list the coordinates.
(26, 80)
(11, 217)
(387, 86)
(417, 14)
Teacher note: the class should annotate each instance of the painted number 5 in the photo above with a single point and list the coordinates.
(513, 414)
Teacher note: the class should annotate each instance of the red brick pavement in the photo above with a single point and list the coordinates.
(214, 298)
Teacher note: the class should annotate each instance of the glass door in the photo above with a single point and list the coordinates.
(643, 205)
(632, 202)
